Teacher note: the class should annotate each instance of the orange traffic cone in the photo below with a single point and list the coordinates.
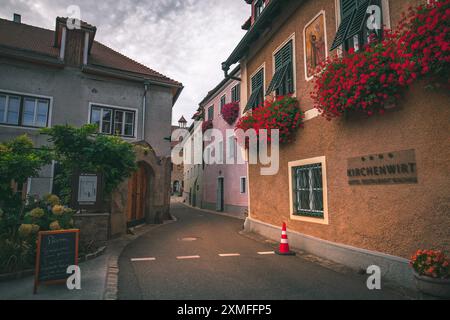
(284, 244)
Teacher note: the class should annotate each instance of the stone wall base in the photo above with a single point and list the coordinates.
(393, 268)
(94, 228)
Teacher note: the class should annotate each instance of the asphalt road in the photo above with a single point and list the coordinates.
(173, 268)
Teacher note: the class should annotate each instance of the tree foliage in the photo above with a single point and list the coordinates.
(19, 160)
(84, 150)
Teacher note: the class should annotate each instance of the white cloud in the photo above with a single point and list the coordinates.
(183, 39)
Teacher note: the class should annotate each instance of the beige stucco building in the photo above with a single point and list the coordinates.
(357, 221)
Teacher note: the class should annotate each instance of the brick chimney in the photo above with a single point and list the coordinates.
(74, 41)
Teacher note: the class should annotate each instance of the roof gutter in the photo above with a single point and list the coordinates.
(97, 69)
(30, 56)
(214, 91)
(105, 71)
(251, 35)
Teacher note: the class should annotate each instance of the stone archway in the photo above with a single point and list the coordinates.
(145, 196)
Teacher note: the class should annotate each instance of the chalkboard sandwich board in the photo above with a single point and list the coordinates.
(56, 251)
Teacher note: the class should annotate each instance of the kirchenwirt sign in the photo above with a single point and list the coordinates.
(384, 168)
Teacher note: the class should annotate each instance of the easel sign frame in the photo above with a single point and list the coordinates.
(37, 273)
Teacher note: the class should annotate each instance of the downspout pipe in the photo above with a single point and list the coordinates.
(144, 108)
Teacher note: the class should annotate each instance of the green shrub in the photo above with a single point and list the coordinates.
(16, 255)
(18, 233)
(82, 149)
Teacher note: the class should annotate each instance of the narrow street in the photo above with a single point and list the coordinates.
(203, 256)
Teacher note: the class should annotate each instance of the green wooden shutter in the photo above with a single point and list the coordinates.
(258, 80)
(283, 61)
(348, 10)
(287, 53)
(257, 87)
(357, 24)
(211, 113)
(347, 6)
(222, 103)
(236, 93)
(283, 56)
(278, 60)
(278, 77)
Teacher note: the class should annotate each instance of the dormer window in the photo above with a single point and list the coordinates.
(259, 7)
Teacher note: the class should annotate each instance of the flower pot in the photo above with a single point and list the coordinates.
(432, 286)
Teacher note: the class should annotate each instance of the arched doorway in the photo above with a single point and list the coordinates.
(144, 197)
(176, 187)
(138, 195)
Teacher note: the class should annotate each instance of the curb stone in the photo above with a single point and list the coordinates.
(112, 279)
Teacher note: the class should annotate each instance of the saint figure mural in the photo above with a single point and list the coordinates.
(315, 46)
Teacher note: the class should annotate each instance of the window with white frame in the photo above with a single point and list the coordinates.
(211, 113)
(114, 121)
(236, 93)
(25, 111)
(307, 189)
(223, 100)
(243, 184)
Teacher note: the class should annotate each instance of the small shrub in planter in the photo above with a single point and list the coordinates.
(283, 114)
(230, 112)
(432, 272)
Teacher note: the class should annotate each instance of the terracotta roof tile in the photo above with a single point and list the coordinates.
(107, 57)
(41, 41)
(26, 37)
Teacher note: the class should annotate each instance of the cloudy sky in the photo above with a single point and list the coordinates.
(183, 39)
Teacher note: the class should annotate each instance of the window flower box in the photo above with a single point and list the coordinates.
(368, 81)
(230, 112)
(373, 79)
(425, 38)
(283, 114)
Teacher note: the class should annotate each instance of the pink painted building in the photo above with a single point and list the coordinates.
(224, 185)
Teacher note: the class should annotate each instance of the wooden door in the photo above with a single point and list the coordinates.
(137, 196)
